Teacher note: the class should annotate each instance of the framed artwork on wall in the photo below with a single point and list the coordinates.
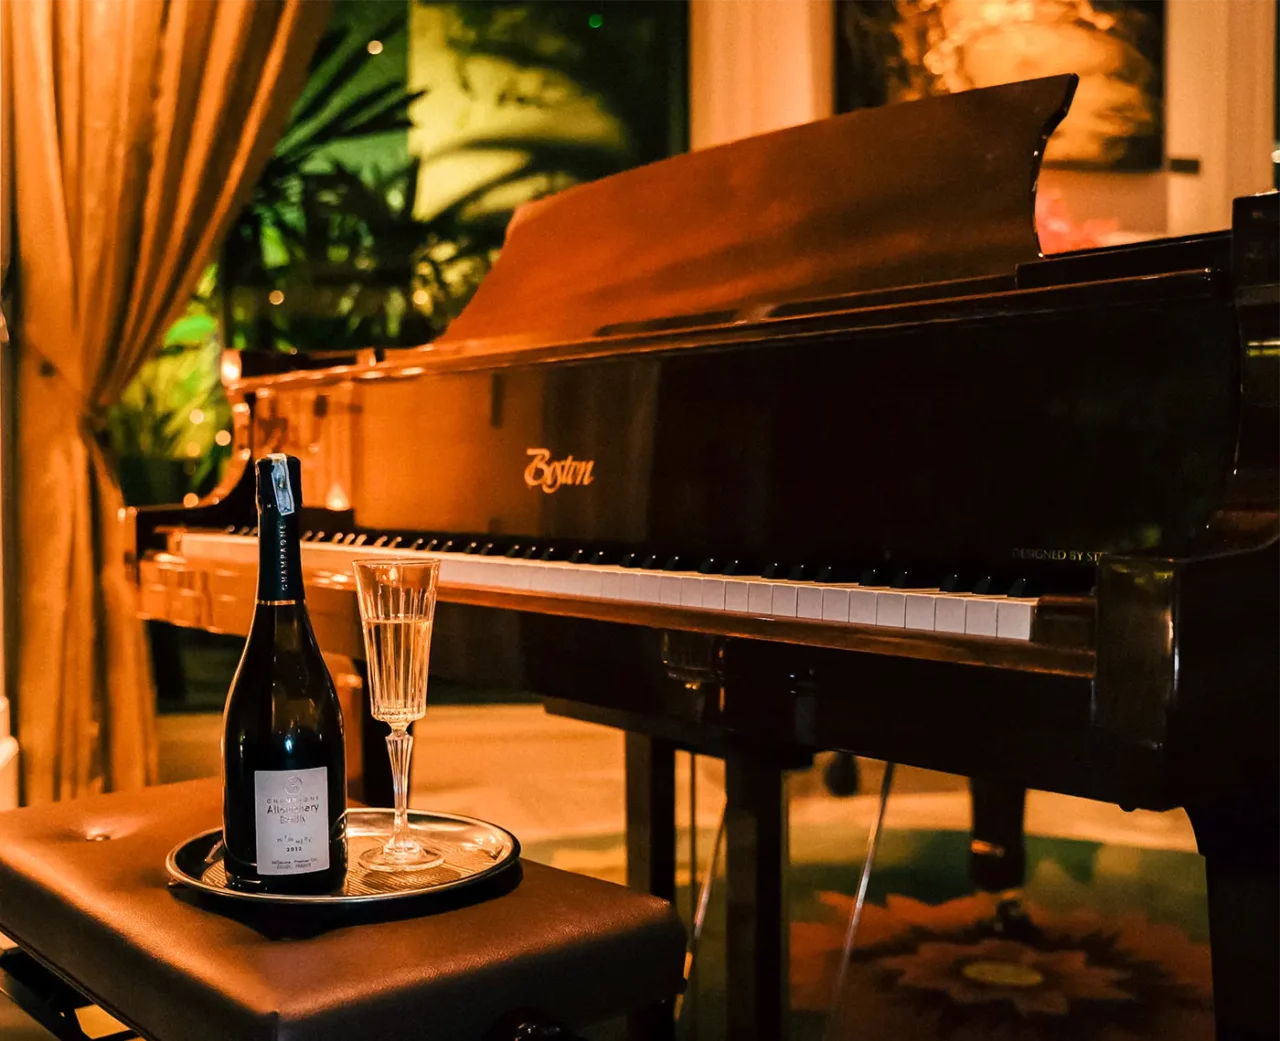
(902, 50)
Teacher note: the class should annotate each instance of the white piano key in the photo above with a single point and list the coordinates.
(571, 579)
(809, 602)
(835, 604)
(629, 586)
(713, 594)
(492, 572)
(891, 609)
(784, 600)
(759, 597)
(589, 581)
(510, 574)
(980, 616)
(862, 606)
(451, 571)
(611, 584)
(948, 613)
(735, 595)
(669, 590)
(918, 611)
(1013, 618)
(691, 592)
(649, 587)
(542, 580)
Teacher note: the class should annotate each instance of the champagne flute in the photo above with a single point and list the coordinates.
(397, 607)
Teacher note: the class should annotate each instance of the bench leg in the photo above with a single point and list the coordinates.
(46, 998)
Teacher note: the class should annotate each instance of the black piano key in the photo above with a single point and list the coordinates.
(950, 584)
(774, 570)
(650, 562)
(530, 553)
(231, 529)
(361, 539)
(421, 544)
(826, 573)
(798, 573)
(983, 586)
(598, 557)
(245, 530)
(579, 556)
(629, 560)
(675, 563)
(551, 553)
(338, 536)
(472, 547)
(516, 550)
(710, 566)
(490, 549)
(449, 546)
(395, 542)
(870, 576)
(350, 539)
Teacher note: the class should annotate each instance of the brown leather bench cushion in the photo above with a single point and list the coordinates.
(83, 887)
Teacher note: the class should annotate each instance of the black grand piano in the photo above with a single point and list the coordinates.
(799, 444)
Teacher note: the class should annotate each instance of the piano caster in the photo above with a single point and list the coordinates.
(841, 775)
(1240, 843)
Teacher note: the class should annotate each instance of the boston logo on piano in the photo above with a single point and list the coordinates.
(550, 474)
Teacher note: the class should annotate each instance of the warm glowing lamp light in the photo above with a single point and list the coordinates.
(336, 499)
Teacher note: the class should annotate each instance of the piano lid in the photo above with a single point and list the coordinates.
(926, 191)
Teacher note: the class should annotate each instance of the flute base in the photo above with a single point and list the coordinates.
(411, 856)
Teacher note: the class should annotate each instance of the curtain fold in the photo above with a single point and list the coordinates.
(139, 128)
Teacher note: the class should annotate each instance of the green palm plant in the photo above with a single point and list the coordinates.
(309, 236)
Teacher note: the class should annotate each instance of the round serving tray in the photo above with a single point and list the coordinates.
(473, 851)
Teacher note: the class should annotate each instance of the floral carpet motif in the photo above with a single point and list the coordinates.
(926, 971)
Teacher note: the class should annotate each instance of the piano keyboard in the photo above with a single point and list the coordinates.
(930, 610)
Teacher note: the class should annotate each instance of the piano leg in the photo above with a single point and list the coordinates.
(651, 849)
(758, 919)
(1240, 843)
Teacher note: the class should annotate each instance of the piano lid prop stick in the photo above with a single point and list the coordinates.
(855, 916)
(700, 917)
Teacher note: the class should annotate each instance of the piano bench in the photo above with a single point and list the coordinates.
(85, 895)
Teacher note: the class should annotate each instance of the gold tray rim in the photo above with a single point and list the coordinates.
(178, 876)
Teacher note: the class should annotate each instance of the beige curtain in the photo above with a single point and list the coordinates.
(139, 126)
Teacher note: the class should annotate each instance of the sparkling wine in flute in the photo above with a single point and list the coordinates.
(397, 607)
(398, 652)
(284, 776)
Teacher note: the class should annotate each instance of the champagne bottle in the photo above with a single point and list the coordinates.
(284, 780)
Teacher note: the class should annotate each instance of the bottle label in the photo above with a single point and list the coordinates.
(293, 820)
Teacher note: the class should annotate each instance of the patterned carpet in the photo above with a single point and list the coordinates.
(1117, 949)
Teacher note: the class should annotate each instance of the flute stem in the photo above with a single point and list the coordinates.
(399, 750)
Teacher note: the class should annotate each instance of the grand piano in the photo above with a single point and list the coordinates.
(800, 444)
